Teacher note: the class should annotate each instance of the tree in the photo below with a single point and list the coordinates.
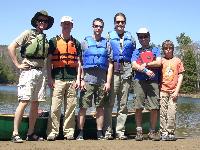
(189, 60)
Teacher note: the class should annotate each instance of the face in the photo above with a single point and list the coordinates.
(42, 22)
(66, 26)
(144, 39)
(168, 50)
(120, 24)
(97, 27)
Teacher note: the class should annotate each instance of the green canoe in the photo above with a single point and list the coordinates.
(6, 125)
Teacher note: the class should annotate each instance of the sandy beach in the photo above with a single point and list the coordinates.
(180, 144)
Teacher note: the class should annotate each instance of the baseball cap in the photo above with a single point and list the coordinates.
(66, 18)
(142, 31)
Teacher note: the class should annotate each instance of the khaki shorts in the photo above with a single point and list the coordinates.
(32, 85)
(147, 94)
(95, 92)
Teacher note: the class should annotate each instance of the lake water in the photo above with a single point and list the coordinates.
(188, 115)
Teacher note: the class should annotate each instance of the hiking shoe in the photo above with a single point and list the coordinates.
(139, 136)
(154, 136)
(172, 137)
(69, 137)
(80, 136)
(121, 137)
(16, 139)
(51, 137)
(100, 135)
(165, 137)
(108, 136)
(34, 137)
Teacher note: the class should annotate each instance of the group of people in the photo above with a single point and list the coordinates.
(102, 70)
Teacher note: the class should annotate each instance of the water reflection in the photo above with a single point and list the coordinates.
(188, 120)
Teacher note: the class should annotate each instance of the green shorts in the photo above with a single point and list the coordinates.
(93, 92)
(147, 94)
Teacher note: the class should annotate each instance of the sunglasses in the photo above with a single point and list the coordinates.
(122, 22)
(42, 21)
(96, 26)
(143, 37)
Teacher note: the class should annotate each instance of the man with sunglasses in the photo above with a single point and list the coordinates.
(146, 62)
(122, 46)
(95, 78)
(64, 69)
(31, 87)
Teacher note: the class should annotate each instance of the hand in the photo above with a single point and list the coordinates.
(150, 73)
(106, 87)
(51, 83)
(83, 86)
(77, 84)
(174, 96)
(23, 66)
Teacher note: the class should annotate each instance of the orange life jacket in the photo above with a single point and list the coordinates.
(65, 54)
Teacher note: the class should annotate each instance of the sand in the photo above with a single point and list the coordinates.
(180, 144)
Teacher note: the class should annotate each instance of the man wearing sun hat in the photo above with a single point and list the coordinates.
(31, 87)
(146, 62)
(64, 69)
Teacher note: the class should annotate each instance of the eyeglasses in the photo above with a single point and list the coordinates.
(143, 37)
(42, 21)
(96, 26)
(122, 22)
(166, 48)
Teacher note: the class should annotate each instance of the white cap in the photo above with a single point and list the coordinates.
(66, 18)
(142, 30)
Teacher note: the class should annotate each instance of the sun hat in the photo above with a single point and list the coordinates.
(67, 18)
(143, 31)
(42, 13)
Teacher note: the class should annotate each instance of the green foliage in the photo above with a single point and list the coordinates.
(189, 60)
(190, 74)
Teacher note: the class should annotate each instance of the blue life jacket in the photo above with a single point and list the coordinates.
(96, 55)
(127, 48)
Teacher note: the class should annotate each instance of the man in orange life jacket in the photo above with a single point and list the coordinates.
(64, 69)
(146, 61)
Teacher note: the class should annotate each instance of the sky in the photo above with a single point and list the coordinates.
(164, 19)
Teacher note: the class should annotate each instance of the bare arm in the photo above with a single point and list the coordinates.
(178, 86)
(49, 69)
(12, 53)
(109, 77)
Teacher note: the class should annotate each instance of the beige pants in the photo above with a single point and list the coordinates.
(63, 92)
(120, 89)
(168, 111)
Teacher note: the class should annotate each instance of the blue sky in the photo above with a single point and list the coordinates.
(165, 19)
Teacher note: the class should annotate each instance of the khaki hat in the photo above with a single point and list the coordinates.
(42, 13)
(67, 18)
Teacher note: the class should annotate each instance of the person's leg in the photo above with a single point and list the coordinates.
(122, 108)
(99, 121)
(18, 116)
(54, 117)
(70, 100)
(139, 106)
(108, 107)
(33, 114)
(81, 122)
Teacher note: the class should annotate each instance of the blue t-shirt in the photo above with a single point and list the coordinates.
(141, 75)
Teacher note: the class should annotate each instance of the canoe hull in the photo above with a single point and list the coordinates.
(6, 126)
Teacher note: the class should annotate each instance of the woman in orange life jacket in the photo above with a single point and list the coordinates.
(146, 61)
(31, 87)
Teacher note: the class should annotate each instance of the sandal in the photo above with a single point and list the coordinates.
(34, 137)
(16, 139)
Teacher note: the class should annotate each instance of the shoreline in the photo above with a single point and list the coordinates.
(180, 144)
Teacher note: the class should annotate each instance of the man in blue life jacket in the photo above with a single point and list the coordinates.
(146, 61)
(122, 46)
(31, 87)
(95, 77)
